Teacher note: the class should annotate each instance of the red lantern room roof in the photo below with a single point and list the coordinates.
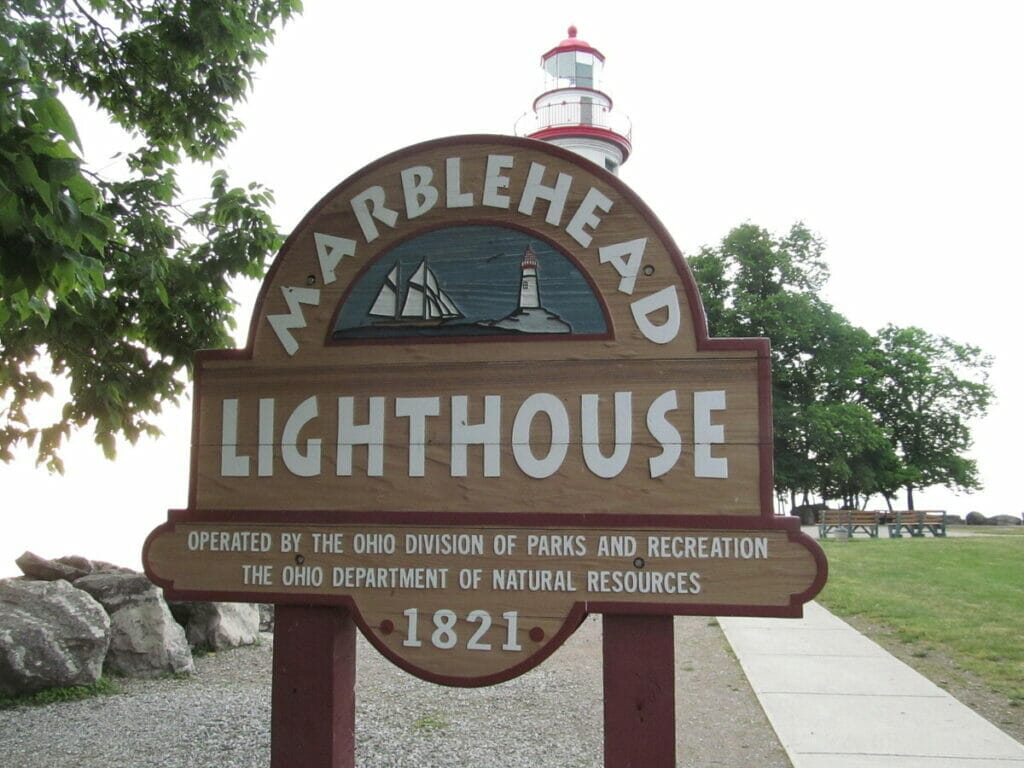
(529, 259)
(572, 43)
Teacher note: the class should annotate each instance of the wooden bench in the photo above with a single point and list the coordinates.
(850, 520)
(917, 522)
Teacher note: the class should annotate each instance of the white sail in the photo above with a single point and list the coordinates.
(386, 303)
(414, 298)
(433, 308)
(445, 306)
(449, 309)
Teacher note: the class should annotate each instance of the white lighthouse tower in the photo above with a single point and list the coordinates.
(529, 291)
(573, 112)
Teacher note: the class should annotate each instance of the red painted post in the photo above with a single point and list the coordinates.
(313, 701)
(639, 692)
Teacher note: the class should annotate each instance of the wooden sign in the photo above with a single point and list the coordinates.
(479, 401)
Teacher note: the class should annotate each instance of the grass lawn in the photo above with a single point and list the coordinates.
(961, 598)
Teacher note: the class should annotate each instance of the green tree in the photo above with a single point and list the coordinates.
(755, 284)
(853, 455)
(927, 390)
(854, 414)
(110, 283)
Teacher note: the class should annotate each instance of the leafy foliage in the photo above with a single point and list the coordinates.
(109, 283)
(854, 414)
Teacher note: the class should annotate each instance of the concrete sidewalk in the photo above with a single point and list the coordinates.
(838, 700)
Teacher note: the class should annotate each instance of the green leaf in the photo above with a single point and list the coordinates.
(28, 175)
(161, 292)
(43, 145)
(52, 111)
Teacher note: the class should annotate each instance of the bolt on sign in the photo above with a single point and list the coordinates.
(479, 401)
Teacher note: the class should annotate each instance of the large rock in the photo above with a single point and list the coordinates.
(41, 569)
(266, 617)
(102, 566)
(51, 635)
(145, 639)
(217, 626)
(83, 564)
(70, 567)
(1003, 520)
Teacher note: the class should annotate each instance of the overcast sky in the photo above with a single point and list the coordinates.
(893, 129)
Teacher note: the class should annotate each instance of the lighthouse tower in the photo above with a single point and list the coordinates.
(529, 291)
(573, 112)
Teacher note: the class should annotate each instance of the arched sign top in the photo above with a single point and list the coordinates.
(557, 202)
(484, 323)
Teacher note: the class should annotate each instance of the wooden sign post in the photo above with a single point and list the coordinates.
(478, 402)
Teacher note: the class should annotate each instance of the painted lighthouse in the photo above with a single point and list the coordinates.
(530, 316)
(529, 290)
(573, 111)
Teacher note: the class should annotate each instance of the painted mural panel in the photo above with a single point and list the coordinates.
(471, 281)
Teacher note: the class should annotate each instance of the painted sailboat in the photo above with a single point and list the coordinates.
(425, 304)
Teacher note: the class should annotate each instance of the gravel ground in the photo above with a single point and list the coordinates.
(550, 716)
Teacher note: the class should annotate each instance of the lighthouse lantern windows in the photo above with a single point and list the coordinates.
(572, 69)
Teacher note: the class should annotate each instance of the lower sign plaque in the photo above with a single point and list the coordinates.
(476, 604)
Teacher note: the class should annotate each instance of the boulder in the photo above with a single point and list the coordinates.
(101, 566)
(266, 617)
(1003, 520)
(41, 569)
(145, 639)
(976, 518)
(51, 636)
(809, 514)
(218, 626)
(79, 562)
